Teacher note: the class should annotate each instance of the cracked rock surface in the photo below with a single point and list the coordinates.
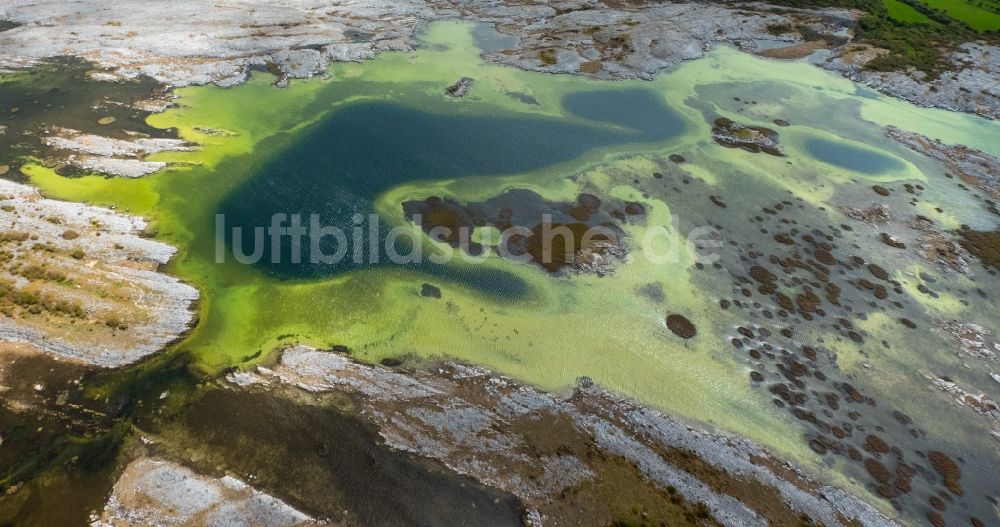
(197, 43)
(154, 491)
(495, 430)
(80, 282)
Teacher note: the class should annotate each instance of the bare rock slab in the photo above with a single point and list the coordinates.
(153, 491)
(80, 282)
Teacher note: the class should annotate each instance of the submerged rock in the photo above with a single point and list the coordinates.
(430, 291)
(979, 403)
(460, 88)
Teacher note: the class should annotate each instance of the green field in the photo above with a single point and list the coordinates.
(976, 13)
(903, 12)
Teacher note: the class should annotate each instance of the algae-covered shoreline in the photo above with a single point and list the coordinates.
(611, 329)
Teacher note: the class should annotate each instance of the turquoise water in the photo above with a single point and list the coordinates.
(851, 157)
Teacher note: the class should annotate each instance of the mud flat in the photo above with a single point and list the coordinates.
(559, 454)
(81, 282)
(153, 491)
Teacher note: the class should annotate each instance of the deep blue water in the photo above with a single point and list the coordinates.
(344, 163)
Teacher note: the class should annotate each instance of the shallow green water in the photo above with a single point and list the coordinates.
(59, 90)
(380, 133)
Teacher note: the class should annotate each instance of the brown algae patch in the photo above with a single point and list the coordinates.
(983, 244)
(948, 470)
(584, 236)
(800, 280)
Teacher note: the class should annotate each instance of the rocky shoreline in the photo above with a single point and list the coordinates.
(970, 165)
(544, 448)
(295, 39)
(197, 44)
(81, 282)
(153, 491)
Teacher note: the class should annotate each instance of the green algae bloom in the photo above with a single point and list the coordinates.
(379, 133)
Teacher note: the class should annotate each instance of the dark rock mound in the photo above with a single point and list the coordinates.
(681, 326)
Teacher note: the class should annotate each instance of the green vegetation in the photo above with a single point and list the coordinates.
(13, 236)
(920, 46)
(981, 15)
(34, 272)
(35, 302)
(114, 322)
(917, 33)
(903, 12)
(779, 29)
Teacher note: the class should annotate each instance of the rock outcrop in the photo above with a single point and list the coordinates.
(154, 491)
(190, 42)
(979, 403)
(113, 157)
(506, 435)
(197, 43)
(970, 83)
(974, 167)
(81, 282)
(972, 339)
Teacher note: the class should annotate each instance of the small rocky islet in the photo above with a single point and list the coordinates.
(753, 139)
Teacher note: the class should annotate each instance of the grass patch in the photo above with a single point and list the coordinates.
(981, 15)
(903, 12)
(917, 33)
